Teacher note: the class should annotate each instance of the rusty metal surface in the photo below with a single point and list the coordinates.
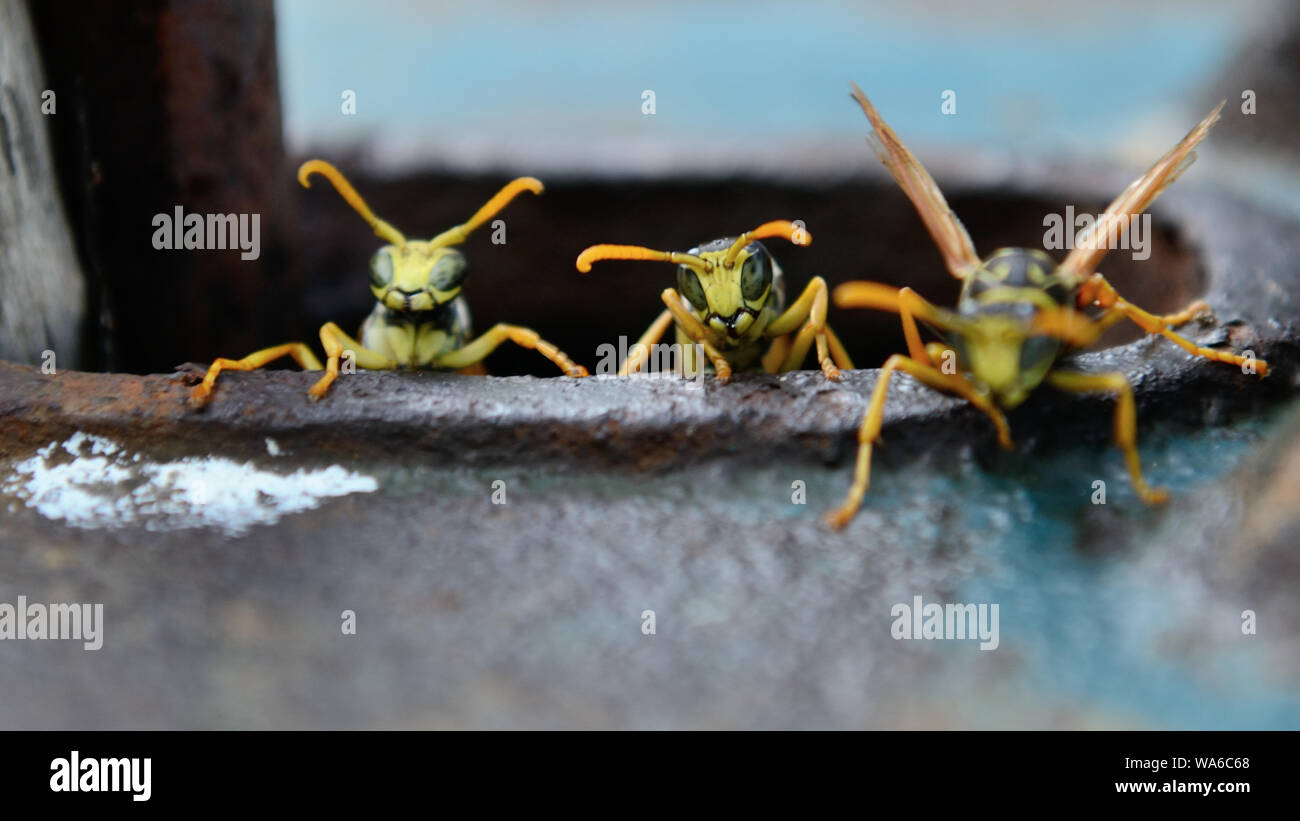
(598, 421)
(527, 614)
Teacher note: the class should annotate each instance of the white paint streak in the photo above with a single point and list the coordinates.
(98, 485)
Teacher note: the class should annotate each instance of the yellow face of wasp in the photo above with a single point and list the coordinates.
(417, 277)
(1001, 298)
(1006, 361)
(732, 301)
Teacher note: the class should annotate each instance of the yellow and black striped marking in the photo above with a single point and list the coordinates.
(1014, 280)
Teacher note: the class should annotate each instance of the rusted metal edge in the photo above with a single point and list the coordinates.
(1253, 284)
(638, 422)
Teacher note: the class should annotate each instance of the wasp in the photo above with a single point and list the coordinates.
(1018, 313)
(730, 301)
(420, 318)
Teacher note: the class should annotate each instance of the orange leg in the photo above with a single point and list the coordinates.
(873, 420)
(491, 339)
(1125, 420)
(697, 332)
(908, 304)
(299, 351)
(838, 353)
(640, 353)
(809, 309)
(776, 353)
(335, 341)
(1097, 291)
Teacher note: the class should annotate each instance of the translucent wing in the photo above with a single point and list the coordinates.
(949, 234)
(1092, 244)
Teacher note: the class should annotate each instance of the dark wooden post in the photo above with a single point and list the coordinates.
(165, 103)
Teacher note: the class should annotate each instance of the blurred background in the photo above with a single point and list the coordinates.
(561, 86)
(213, 105)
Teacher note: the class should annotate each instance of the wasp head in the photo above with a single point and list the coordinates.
(729, 283)
(416, 275)
(999, 302)
(729, 296)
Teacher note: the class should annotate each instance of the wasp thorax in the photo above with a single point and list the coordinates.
(1012, 280)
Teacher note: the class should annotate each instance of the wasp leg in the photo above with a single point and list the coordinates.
(780, 349)
(908, 304)
(1112, 317)
(1097, 291)
(697, 332)
(862, 294)
(873, 419)
(940, 353)
(1125, 420)
(884, 298)
(521, 336)
(641, 351)
(838, 352)
(810, 310)
(776, 353)
(299, 351)
(1185, 315)
(799, 350)
(336, 341)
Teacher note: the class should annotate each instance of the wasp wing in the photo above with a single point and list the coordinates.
(947, 231)
(1091, 244)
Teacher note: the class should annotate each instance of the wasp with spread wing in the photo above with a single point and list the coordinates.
(420, 318)
(1018, 313)
(730, 301)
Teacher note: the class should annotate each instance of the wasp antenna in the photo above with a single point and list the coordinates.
(597, 253)
(777, 228)
(345, 189)
(457, 235)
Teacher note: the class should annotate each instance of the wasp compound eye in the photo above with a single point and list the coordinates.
(448, 272)
(381, 269)
(755, 275)
(689, 286)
